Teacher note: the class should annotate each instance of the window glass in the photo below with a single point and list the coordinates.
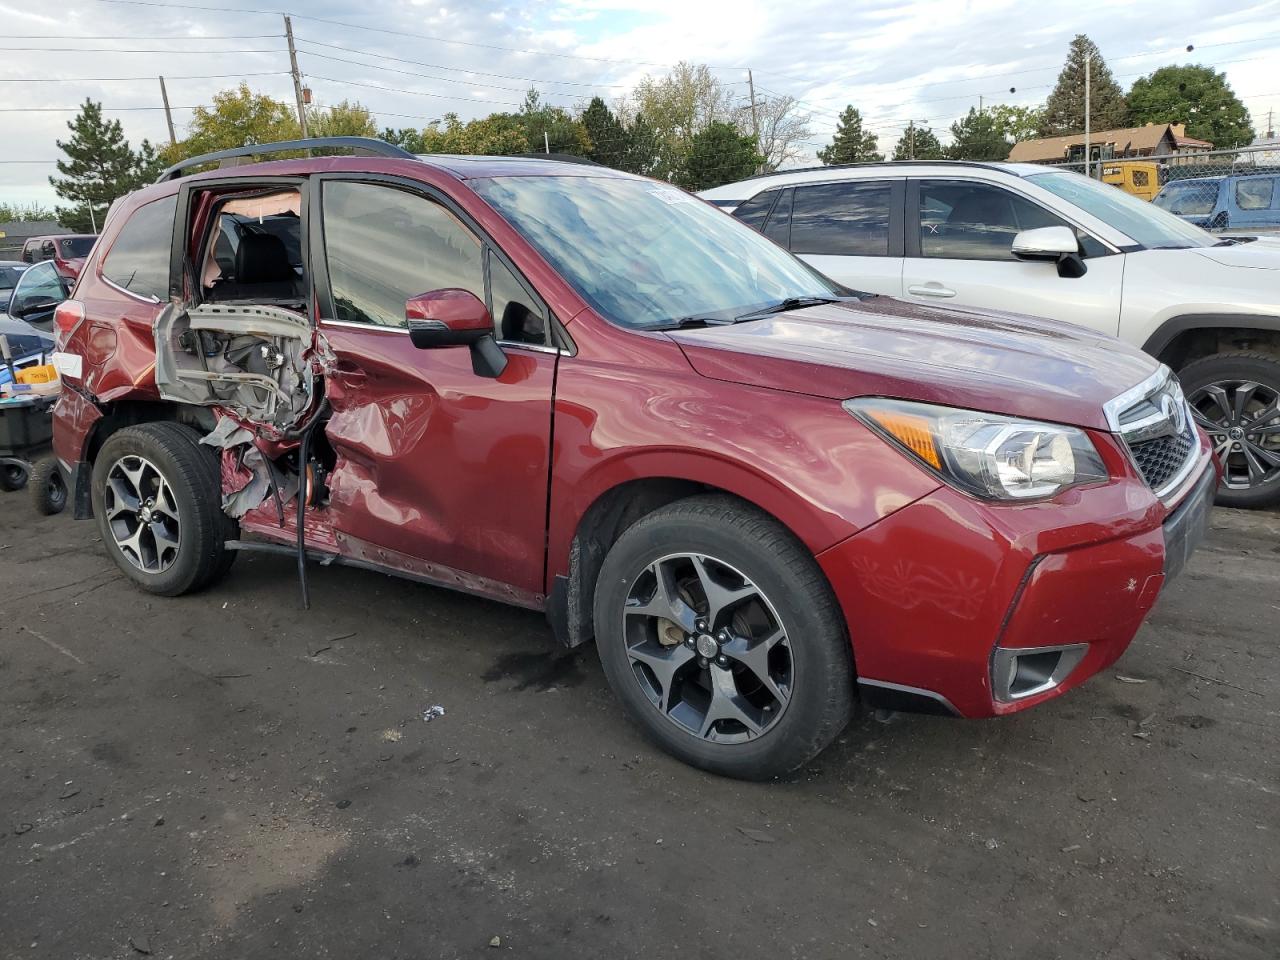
(978, 221)
(647, 255)
(69, 247)
(752, 212)
(1145, 223)
(516, 315)
(778, 227)
(842, 219)
(1195, 198)
(9, 276)
(40, 284)
(386, 245)
(1254, 194)
(138, 259)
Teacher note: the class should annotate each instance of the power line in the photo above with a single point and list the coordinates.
(81, 107)
(402, 33)
(416, 93)
(440, 66)
(167, 36)
(185, 53)
(189, 76)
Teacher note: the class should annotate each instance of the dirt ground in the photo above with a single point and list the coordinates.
(227, 776)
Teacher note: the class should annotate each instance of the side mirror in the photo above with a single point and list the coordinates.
(1058, 244)
(456, 318)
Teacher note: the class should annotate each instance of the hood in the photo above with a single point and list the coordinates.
(1262, 253)
(983, 360)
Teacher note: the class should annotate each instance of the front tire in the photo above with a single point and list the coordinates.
(157, 498)
(723, 640)
(48, 489)
(1235, 398)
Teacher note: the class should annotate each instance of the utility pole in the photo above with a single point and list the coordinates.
(168, 114)
(546, 142)
(755, 120)
(297, 77)
(911, 140)
(1088, 67)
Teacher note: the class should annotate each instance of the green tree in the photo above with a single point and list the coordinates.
(10, 212)
(975, 136)
(718, 154)
(345, 119)
(552, 128)
(918, 143)
(851, 143)
(1064, 110)
(679, 106)
(609, 140)
(100, 167)
(406, 138)
(1016, 123)
(644, 148)
(1196, 95)
(237, 118)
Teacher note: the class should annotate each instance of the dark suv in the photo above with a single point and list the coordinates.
(559, 386)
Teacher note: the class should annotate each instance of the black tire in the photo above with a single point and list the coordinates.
(774, 564)
(190, 471)
(12, 477)
(48, 489)
(1226, 371)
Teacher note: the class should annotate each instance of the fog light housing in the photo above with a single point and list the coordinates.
(1018, 673)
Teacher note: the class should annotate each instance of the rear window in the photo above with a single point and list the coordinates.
(1190, 198)
(69, 247)
(841, 219)
(9, 276)
(1254, 194)
(138, 260)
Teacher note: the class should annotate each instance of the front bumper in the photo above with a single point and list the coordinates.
(947, 596)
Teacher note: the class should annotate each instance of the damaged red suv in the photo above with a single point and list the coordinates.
(763, 496)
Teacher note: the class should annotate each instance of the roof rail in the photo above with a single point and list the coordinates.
(367, 144)
(875, 163)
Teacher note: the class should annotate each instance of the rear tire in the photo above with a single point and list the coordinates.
(157, 498)
(777, 688)
(12, 477)
(1217, 387)
(48, 489)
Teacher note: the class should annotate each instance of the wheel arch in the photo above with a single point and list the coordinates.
(1190, 336)
(574, 569)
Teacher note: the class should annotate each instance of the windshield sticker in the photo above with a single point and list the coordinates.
(668, 195)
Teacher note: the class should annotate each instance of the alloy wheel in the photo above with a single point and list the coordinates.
(708, 648)
(1242, 418)
(142, 514)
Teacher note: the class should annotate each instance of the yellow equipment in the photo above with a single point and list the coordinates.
(1138, 177)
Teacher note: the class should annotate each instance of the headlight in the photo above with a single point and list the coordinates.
(987, 455)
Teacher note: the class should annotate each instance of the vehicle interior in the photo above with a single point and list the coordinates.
(253, 250)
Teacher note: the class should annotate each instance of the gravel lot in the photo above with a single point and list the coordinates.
(227, 776)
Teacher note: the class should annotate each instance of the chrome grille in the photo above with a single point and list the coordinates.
(1155, 423)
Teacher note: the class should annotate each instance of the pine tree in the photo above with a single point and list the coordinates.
(918, 143)
(1064, 110)
(608, 137)
(718, 154)
(851, 143)
(100, 167)
(976, 136)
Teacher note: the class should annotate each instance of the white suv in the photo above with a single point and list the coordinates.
(1034, 240)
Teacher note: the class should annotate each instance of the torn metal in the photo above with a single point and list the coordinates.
(247, 475)
(252, 360)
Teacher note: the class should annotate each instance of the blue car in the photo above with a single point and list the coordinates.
(1249, 204)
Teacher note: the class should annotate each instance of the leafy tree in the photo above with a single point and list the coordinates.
(1196, 95)
(10, 212)
(100, 167)
(918, 143)
(783, 128)
(677, 107)
(719, 154)
(644, 148)
(406, 138)
(1017, 123)
(610, 141)
(1064, 110)
(345, 119)
(976, 136)
(851, 143)
(552, 128)
(237, 118)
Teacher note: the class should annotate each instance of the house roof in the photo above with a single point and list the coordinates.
(1146, 137)
(22, 229)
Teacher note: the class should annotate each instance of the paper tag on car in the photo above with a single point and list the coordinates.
(672, 196)
(68, 364)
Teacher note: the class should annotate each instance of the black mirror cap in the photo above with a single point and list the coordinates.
(1071, 266)
(430, 334)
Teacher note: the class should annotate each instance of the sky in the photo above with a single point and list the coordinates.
(925, 61)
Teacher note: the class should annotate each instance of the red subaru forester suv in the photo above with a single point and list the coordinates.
(764, 496)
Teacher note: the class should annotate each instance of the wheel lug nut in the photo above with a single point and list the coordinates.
(722, 660)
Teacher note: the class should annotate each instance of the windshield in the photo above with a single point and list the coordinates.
(645, 254)
(9, 274)
(1144, 223)
(1188, 198)
(75, 246)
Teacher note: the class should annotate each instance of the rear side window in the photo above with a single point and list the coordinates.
(138, 260)
(1255, 194)
(752, 212)
(778, 227)
(848, 219)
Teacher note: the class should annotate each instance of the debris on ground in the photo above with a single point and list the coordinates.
(432, 712)
(495, 941)
(759, 836)
(140, 943)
